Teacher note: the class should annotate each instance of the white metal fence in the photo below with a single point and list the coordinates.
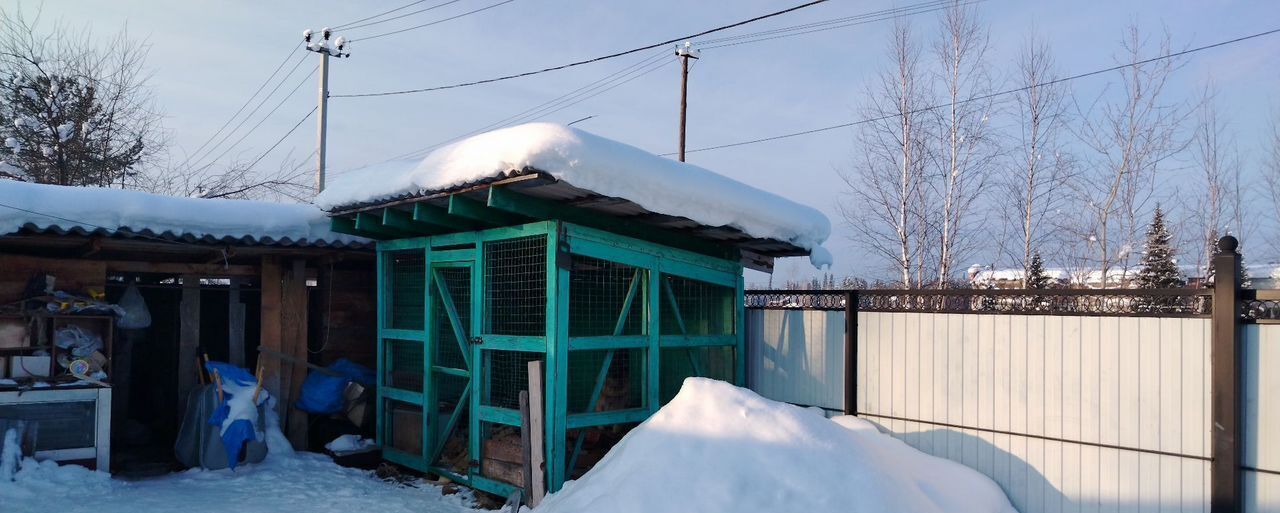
(1067, 413)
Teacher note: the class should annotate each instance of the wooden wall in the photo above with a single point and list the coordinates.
(72, 275)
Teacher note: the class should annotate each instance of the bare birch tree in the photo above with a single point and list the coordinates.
(1218, 207)
(886, 192)
(1131, 135)
(1271, 179)
(966, 149)
(1039, 165)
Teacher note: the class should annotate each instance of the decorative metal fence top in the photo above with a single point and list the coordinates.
(1260, 306)
(1110, 302)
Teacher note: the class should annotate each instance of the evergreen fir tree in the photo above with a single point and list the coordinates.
(1159, 271)
(1037, 277)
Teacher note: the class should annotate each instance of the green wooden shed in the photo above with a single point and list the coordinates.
(494, 265)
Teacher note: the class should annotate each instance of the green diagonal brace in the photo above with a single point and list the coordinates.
(453, 422)
(604, 366)
(454, 321)
(675, 309)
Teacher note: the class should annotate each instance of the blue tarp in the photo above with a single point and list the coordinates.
(322, 392)
(240, 431)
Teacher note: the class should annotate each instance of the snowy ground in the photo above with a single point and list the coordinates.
(308, 483)
(715, 448)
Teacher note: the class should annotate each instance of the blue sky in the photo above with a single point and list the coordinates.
(207, 57)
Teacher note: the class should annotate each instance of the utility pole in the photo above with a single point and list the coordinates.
(337, 50)
(685, 53)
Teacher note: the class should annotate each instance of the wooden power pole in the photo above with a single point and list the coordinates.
(685, 53)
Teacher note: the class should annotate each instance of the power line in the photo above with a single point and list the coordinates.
(986, 96)
(540, 108)
(436, 22)
(797, 31)
(261, 121)
(282, 138)
(242, 107)
(196, 160)
(360, 22)
(891, 11)
(587, 61)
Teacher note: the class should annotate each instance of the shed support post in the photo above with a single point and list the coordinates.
(188, 339)
(1226, 482)
(269, 328)
(235, 325)
(851, 352)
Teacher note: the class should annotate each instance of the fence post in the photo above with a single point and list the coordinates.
(1226, 483)
(851, 352)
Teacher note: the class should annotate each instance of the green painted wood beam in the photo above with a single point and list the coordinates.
(401, 220)
(477, 211)
(510, 201)
(372, 223)
(522, 343)
(433, 215)
(697, 340)
(347, 225)
(596, 343)
(499, 415)
(402, 395)
(416, 462)
(399, 334)
(603, 418)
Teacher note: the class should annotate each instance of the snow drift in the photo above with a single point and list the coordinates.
(720, 448)
(597, 164)
(96, 209)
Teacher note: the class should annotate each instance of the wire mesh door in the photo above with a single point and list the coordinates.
(451, 366)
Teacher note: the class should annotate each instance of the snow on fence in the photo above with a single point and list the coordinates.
(1067, 409)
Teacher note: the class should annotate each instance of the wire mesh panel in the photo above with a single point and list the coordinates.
(448, 348)
(598, 292)
(692, 307)
(405, 281)
(506, 374)
(403, 364)
(403, 426)
(621, 388)
(516, 286)
(678, 363)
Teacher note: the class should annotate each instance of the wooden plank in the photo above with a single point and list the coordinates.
(70, 274)
(401, 220)
(537, 412)
(294, 333)
(206, 270)
(347, 225)
(436, 216)
(372, 223)
(463, 206)
(235, 324)
(538, 208)
(188, 339)
(269, 327)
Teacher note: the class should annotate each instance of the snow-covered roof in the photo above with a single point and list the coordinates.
(592, 163)
(61, 209)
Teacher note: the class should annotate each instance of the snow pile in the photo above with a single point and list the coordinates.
(597, 164)
(349, 444)
(91, 208)
(719, 448)
(303, 482)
